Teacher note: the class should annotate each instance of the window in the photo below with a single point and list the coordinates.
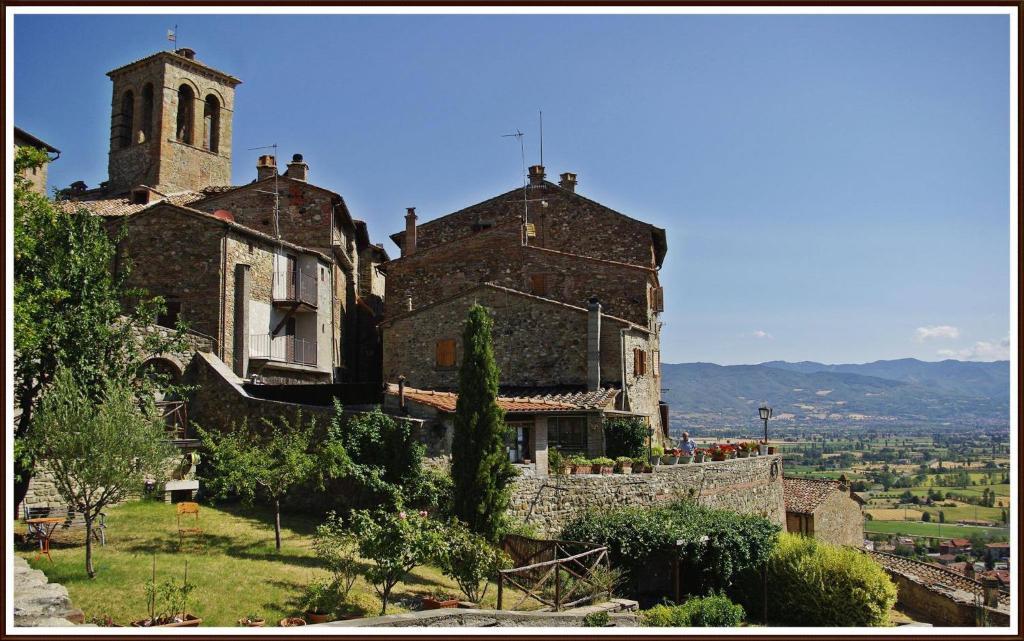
(145, 128)
(186, 107)
(539, 284)
(169, 318)
(445, 353)
(211, 123)
(124, 134)
(639, 362)
(658, 299)
(656, 362)
(567, 433)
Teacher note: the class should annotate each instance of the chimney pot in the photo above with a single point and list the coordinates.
(266, 167)
(409, 242)
(185, 52)
(568, 181)
(537, 175)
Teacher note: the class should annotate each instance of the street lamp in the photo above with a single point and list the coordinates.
(766, 413)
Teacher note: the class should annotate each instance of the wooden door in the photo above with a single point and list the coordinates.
(289, 341)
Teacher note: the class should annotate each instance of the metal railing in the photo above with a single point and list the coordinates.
(175, 415)
(284, 349)
(295, 286)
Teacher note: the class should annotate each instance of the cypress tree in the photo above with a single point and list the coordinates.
(480, 467)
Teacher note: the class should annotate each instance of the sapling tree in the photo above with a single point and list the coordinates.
(267, 461)
(98, 452)
(480, 467)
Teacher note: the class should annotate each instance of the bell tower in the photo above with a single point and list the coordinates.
(170, 124)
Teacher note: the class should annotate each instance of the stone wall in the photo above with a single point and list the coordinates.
(838, 520)
(748, 486)
(38, 603)
(569, 223)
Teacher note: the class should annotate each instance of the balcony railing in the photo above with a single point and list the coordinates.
(284, 349)
(295, 286)
(175, 415)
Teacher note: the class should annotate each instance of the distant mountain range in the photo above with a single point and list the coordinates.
(905, 391)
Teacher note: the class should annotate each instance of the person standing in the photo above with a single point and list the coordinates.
(687, 446)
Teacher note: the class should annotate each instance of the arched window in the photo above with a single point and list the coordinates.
(211, 123)
(146, 127)
(124, 134)
(186, 107)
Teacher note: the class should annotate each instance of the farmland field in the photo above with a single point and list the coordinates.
(939, 530)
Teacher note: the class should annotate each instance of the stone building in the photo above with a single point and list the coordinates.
(823, 509)
(170, 153)
(36, 175)
(573, 288)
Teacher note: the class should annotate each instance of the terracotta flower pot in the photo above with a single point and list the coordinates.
(638, 467)
(625, 469)
(252, 623)
(289, 622)
(316, 617)
(430, 603)
(566, 470)
(669, 459)
(685, 459)
(582, 469)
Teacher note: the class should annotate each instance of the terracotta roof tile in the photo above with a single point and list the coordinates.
(936, 578)
(543, 401)
(108, 207)
(803, 496)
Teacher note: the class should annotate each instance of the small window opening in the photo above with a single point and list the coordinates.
(211, 124)
(169, 317)
(186, 107)
(124, 134)
(146, 126)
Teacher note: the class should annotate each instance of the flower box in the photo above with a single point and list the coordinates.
(430, 603)
(316, 617)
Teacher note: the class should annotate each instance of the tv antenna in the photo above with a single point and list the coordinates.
(522, 157)
(276, 192)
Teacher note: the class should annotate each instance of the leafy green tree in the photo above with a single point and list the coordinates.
(926, 517)
(68, 308)
(625, 437)
(98, 452)
(395, 543)
(480, 467)
(269, 461)
(469, 560)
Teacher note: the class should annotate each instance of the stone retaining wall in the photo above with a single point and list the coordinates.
(38, 603)
(748, 486)
(622, 613)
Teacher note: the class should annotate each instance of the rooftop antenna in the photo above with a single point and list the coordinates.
(522, 156)
(541, 137)
(276, 193)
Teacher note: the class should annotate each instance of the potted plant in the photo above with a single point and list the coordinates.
(656, 453)
(252, 620)
(558, 463)
(624, 465)
(440, 599)
(639, 465)
(717, 453)
(289, 622)
(580, 465)
(762, 449)
(168, 603)
(319, 601)
(671, 457)
(602, 465)
(699, 455)
(742, 451)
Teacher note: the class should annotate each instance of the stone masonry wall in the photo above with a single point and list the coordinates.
(748, 486)
(497, 255)
(568, 223)
(838, 520)
(536, 343)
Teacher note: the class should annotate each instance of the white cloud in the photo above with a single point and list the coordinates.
(760, 333)
(980, 351)
(936, 331)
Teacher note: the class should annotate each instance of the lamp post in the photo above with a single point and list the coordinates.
(766, 413)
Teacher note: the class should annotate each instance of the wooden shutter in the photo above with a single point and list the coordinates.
(639, 362)
(445, 356)
(656, 362)
(658, 294)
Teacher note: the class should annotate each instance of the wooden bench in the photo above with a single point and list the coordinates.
(73, 520)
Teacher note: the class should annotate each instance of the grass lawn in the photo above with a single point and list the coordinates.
(233, 564)
(943, 530)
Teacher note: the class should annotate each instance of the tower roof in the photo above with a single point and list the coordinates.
(180, 60)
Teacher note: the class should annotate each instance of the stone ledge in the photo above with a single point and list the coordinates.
(38, 603)
(620, 615)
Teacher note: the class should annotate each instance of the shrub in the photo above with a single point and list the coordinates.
(718, 544)
(338, 548)
(657, 450)
(715, 611)
(815, 583)
(555, 461)
(602, 461)
(625, 437)
(469, 560)
(595, 620)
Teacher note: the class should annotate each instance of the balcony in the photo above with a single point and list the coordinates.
(282, 349)
(296, 288)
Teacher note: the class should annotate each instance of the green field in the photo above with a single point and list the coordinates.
(943, 530)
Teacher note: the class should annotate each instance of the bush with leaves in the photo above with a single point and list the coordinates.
(713, 611)
(818, 584)
(395, 543)
(718, 544)
(338, 548)
(625, 437)
(469, 560)
(596, 619)
(97, 452)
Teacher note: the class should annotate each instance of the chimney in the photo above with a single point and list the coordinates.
(990, 590)
(266, 167)
(568, 181)
(187, 53)
(593, 344)
(536, 175)
(409, 242)
(297, 169)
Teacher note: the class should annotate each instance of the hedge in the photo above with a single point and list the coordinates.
(715, 611)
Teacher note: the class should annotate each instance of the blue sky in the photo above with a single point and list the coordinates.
(835, 188)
